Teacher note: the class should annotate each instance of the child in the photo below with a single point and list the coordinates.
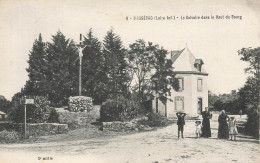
(232, 128)
(198, 129)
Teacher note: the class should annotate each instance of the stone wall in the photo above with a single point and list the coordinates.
(36, 129)
(80, 118)
(119, 126)
(41, 129)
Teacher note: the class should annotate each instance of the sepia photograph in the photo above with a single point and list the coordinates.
(132, 81)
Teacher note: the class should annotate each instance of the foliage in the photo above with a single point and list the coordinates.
(37, 113)
(250, 93)
(115, 65)
(141, 60)
(252, 125)
(155, 120)
(252, 56)
(228, 102)
(62, 72)
(54, 116)
(94, 77)
(4, 104)
(52, 71)
(212, 99)
(152, 70)
(164, 75)
(37, 69)
(10, 135)
(118, 109)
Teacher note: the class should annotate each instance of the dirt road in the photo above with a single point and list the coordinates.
(161, 145)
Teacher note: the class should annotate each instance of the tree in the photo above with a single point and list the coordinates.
(252, 86)
(4, 104)
(253, 57)
(37, 69)
(164, 74)
(61, 74)
(141, 60)
(52, 69)
(37, 113)
(249, 95)
(115, 65)
(94, 76)
(152, 70)
(212, 99)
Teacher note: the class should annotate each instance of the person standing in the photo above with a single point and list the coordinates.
(180, 123)
(232, 128)
(223, 125)
(206, 131)
(198, 129)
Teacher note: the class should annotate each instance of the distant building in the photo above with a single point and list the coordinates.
(192, 97)
(3, 116)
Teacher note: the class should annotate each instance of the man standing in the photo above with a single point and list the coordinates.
(180, 123)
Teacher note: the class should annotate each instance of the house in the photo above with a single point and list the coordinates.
(192, 97)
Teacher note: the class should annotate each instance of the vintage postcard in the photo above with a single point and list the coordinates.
(129, 81)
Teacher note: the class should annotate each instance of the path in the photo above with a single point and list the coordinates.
(161, 145)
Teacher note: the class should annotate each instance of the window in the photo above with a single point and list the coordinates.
(179, 103)
(181, 84)
(199, 85)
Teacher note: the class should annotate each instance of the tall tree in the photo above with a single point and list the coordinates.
(62, 74)
(37, 69)
(251, 90)
(115, 64)
(152, 70)
(249, 95)
(93, 69)
(141, 59)
(164, 74)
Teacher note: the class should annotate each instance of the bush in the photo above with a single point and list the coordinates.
(54, 116)
(37, 113)
(154, 120)
(252, 125)
(157, 120)
(118, 109)
(9, 135)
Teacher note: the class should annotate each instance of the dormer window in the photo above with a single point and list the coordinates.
(198, 64)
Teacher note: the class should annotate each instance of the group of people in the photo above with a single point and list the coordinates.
(227, 125)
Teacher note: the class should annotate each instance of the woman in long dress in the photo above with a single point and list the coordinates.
(206, 132)
(223, 132)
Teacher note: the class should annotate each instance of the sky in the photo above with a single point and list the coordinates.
(215, 41)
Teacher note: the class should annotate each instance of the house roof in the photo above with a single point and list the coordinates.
(184, 62)
(175, 55)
